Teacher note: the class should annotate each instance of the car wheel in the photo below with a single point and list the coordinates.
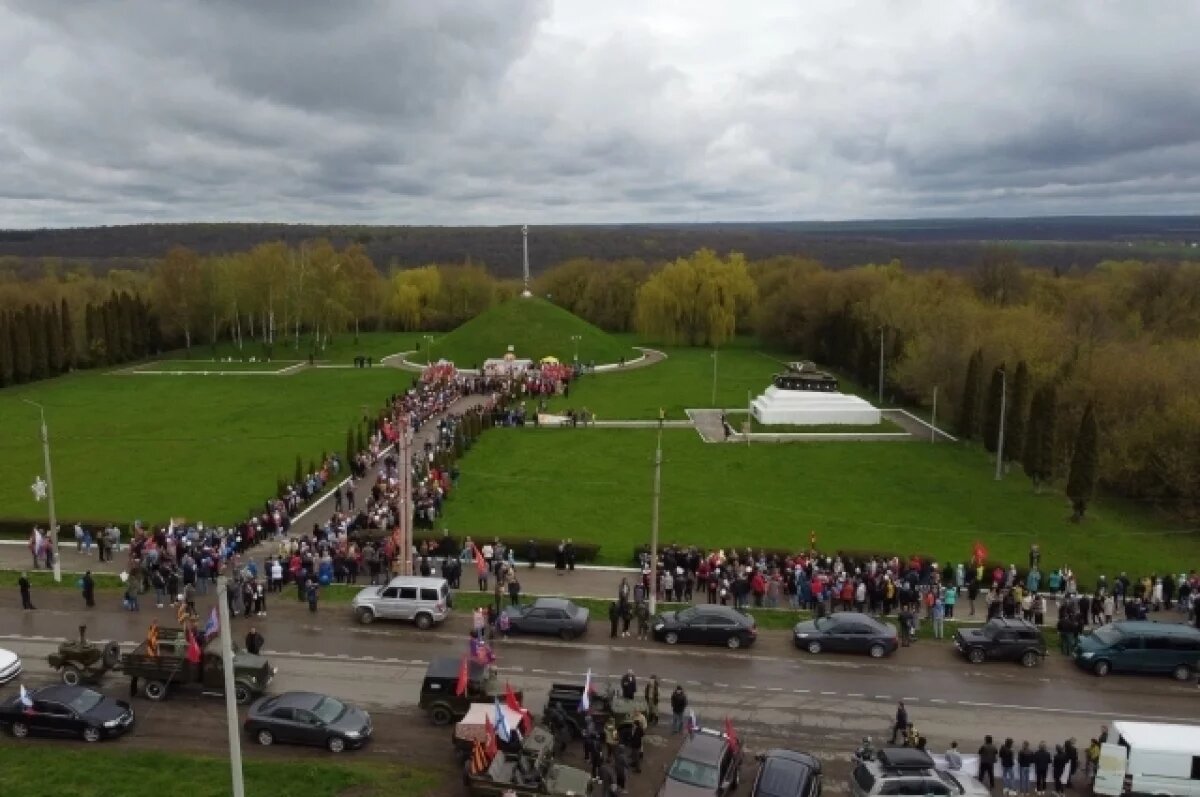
(567, 634)
(814, 646)
(366, 616)
(1182, 673)
(734, 642)
(71, 675)
(91, 734)
(671, 638)
(976, 655)
(241, 694)
(424, 621)
(20, 730)
(336, 744)
(1102, 668)
(156, 690)
(440, 715)
(1030, 658)
(877, 651)
(265, 737)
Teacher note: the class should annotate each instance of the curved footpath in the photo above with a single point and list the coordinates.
(649, 357)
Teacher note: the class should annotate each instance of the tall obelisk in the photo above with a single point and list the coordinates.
(525, 258)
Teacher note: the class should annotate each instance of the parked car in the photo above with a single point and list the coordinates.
(1141, 646)
(707, 765)
(10, 665)
(1002, 640)
(421, 601)
(308, 718)
(707, 624)
(786, 773)
(555, 616)
(905, 770)
(63, 710)
(847, 632)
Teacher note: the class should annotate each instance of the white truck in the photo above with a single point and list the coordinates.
(1150, 758)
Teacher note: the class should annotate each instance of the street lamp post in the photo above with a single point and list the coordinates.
(428, 349)
(225, 632)
(714, 384)
(881, 331)
(49, 491)
(575, 339)
(654, 519)
(1000, 431)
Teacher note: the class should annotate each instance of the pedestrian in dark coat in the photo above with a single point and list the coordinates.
(23, 585)
(901, 723)
(254, 641)
(629, 685)
(88, 586)
(614, 617)
(312, 596)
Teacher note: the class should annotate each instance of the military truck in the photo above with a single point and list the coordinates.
(438, 699)
(605, 702)
(530, 772)
(170, 669)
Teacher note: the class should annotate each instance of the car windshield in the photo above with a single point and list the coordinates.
(328, 709)
(694, 773)
(686, 616)
(952, 782)
(1107, 635)
(85, 701)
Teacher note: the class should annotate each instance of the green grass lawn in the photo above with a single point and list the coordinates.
(200, 366)
(683, 381)
(34, 770)
(535, 328)
(202, 447)
(931, 499)
(342, 350)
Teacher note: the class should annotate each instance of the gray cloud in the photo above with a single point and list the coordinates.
(464, 113)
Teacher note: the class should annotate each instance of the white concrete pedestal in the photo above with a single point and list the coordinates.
(813, 407)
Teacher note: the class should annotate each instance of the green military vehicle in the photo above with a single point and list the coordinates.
(438, 699)
(170, 669)
(605, 702)
(527, 773)
(80, 661)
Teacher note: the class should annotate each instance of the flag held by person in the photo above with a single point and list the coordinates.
(213, 626)
(152, 640)
(490, 746)
(731, 735)
(193, 647)
(26, 701)
(460, 688)
(481, 564)
(693, 724)
(510, 700)
(502, 730)
(585, 702)
(479, 761)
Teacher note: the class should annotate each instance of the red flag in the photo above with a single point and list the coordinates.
(480, 562)
(193, 649)
(460, 688)
(490, 746)
(731, 735)
(510, 698)
(980, 553)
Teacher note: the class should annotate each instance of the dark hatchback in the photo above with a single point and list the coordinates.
(846, 632)
(708, 624)
(308, 718)
(67, 711)
(787, 773)
(1002, 639)
(555, 616)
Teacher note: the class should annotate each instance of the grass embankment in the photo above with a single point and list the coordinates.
(31, 770)
(200, 447)
(936, 500)
(341, 351)
(535, 329)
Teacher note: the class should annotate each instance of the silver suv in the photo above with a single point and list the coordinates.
(905, 770)
(423, 601)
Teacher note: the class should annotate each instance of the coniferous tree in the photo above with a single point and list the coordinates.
(94, 336)
(68, 336)
(22, 347)
(1081, 480)
(1014, 424)
(112, 338)
(54, 343)
(6, 351)
(991, 418)
(968, 408)
(125, 322)
(38, 343)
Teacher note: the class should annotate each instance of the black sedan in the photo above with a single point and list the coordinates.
(555, 616)
(62, 710)
(308, 718)
(786, 773)
(847, 632)
(707, 624)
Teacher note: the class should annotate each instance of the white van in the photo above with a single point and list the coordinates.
(1150, 758)
(423, 601)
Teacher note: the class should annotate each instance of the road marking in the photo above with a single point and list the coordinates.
(855, 694)
(883, 697)
(752, 688)
(936, 700)
(1079, 712)
(800, 691)
(911, 699)
(829, 693)
(720, 685)
(774, 688)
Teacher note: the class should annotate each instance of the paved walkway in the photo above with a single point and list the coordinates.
(649, 357)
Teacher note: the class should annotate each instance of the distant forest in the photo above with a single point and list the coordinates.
(1059, 243)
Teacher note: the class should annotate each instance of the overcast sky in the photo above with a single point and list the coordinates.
(459, 112)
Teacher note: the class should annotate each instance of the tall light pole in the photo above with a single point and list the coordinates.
(933, 418)
(575, 339)
(1000, 431)
(654, 518)
(881, 330)
(225, 631)
(428, 349)
(49, 491)
(525, 259)
(714, 384)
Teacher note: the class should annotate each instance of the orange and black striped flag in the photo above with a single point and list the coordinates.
(479, 760)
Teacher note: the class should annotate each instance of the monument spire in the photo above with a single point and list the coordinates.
(525, 258)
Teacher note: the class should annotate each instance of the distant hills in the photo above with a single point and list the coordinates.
(1050, 242)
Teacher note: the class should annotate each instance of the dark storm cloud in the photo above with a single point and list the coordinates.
(459, 112)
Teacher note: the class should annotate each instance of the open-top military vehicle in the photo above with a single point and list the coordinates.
(438, 698)
(605, 702)
(527, 772)
(83, 662)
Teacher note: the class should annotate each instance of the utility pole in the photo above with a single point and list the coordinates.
(881, 331)
(49, 491)
(406, 509)
(575, 339)
(714, 385)
(231, 715)
(1000, 431)
(933, 418)
(654, 519)
(525, 259)
(428, 349)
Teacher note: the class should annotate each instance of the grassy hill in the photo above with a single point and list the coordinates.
(535, 328)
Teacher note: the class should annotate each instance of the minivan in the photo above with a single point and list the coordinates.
(1141, 646)
(423, 601)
